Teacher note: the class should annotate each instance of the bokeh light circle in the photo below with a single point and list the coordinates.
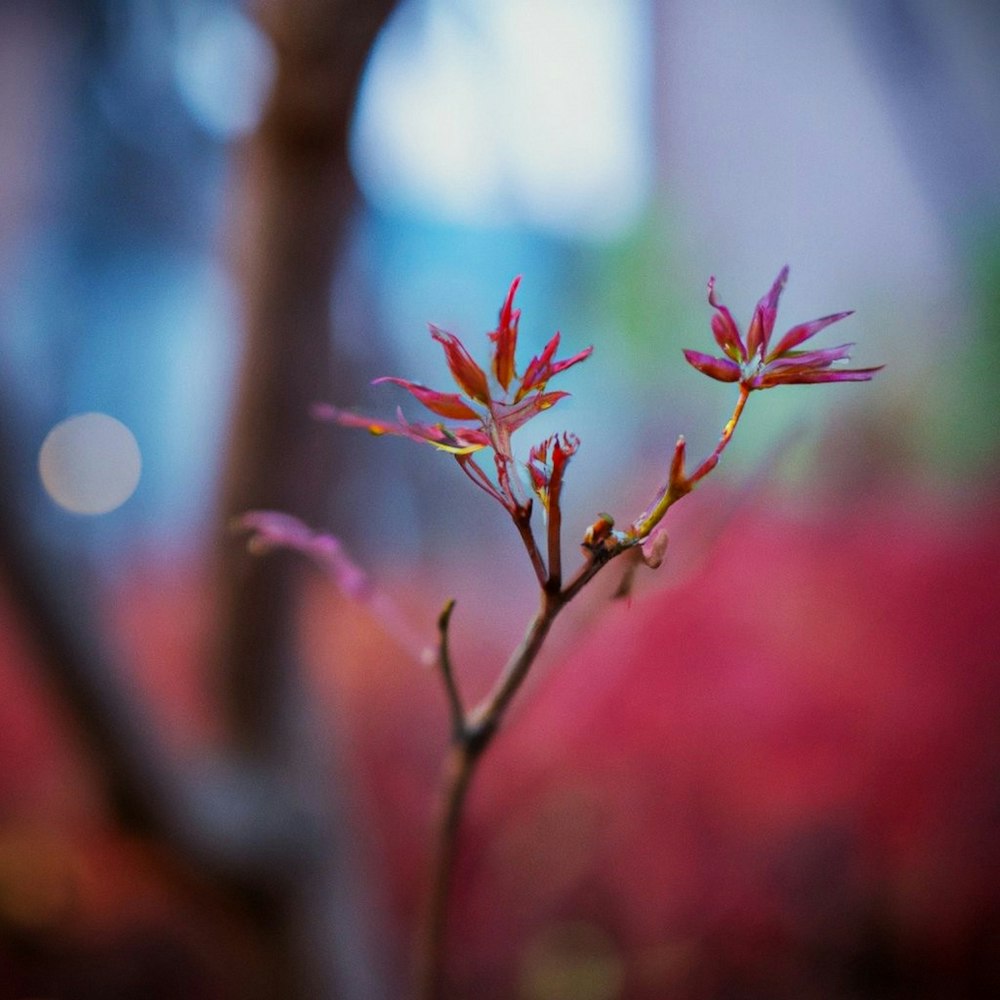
(90, 463)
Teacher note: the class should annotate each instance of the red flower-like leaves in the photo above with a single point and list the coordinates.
(547, 464)
(489, 408)
(756, 365)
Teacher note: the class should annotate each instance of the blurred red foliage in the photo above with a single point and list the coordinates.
(778, 778)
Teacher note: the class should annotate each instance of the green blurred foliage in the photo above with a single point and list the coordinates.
(964, 436)
(639, 285)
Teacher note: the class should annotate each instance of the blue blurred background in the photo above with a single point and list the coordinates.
(614, 153)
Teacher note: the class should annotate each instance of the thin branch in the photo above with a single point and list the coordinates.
(727, 433)
(468, 746)
(522, 519)
(679, 485)
(554, 534)
(448, 674)
(485, 718)
(459, 769)
(595, 562)
(475, 472)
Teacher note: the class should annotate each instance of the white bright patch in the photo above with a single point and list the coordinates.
(524, 111)
(90, 463)
(224, 69)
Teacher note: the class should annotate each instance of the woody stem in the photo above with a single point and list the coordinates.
(459, 766)
(474, 731)
(471, 738)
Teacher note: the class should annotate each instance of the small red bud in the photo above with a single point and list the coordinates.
(598, 532)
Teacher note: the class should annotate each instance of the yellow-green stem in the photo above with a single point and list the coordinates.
(673, 491)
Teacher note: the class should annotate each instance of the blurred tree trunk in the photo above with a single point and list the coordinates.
(294, 197)
(292, 203)
(273, 832)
